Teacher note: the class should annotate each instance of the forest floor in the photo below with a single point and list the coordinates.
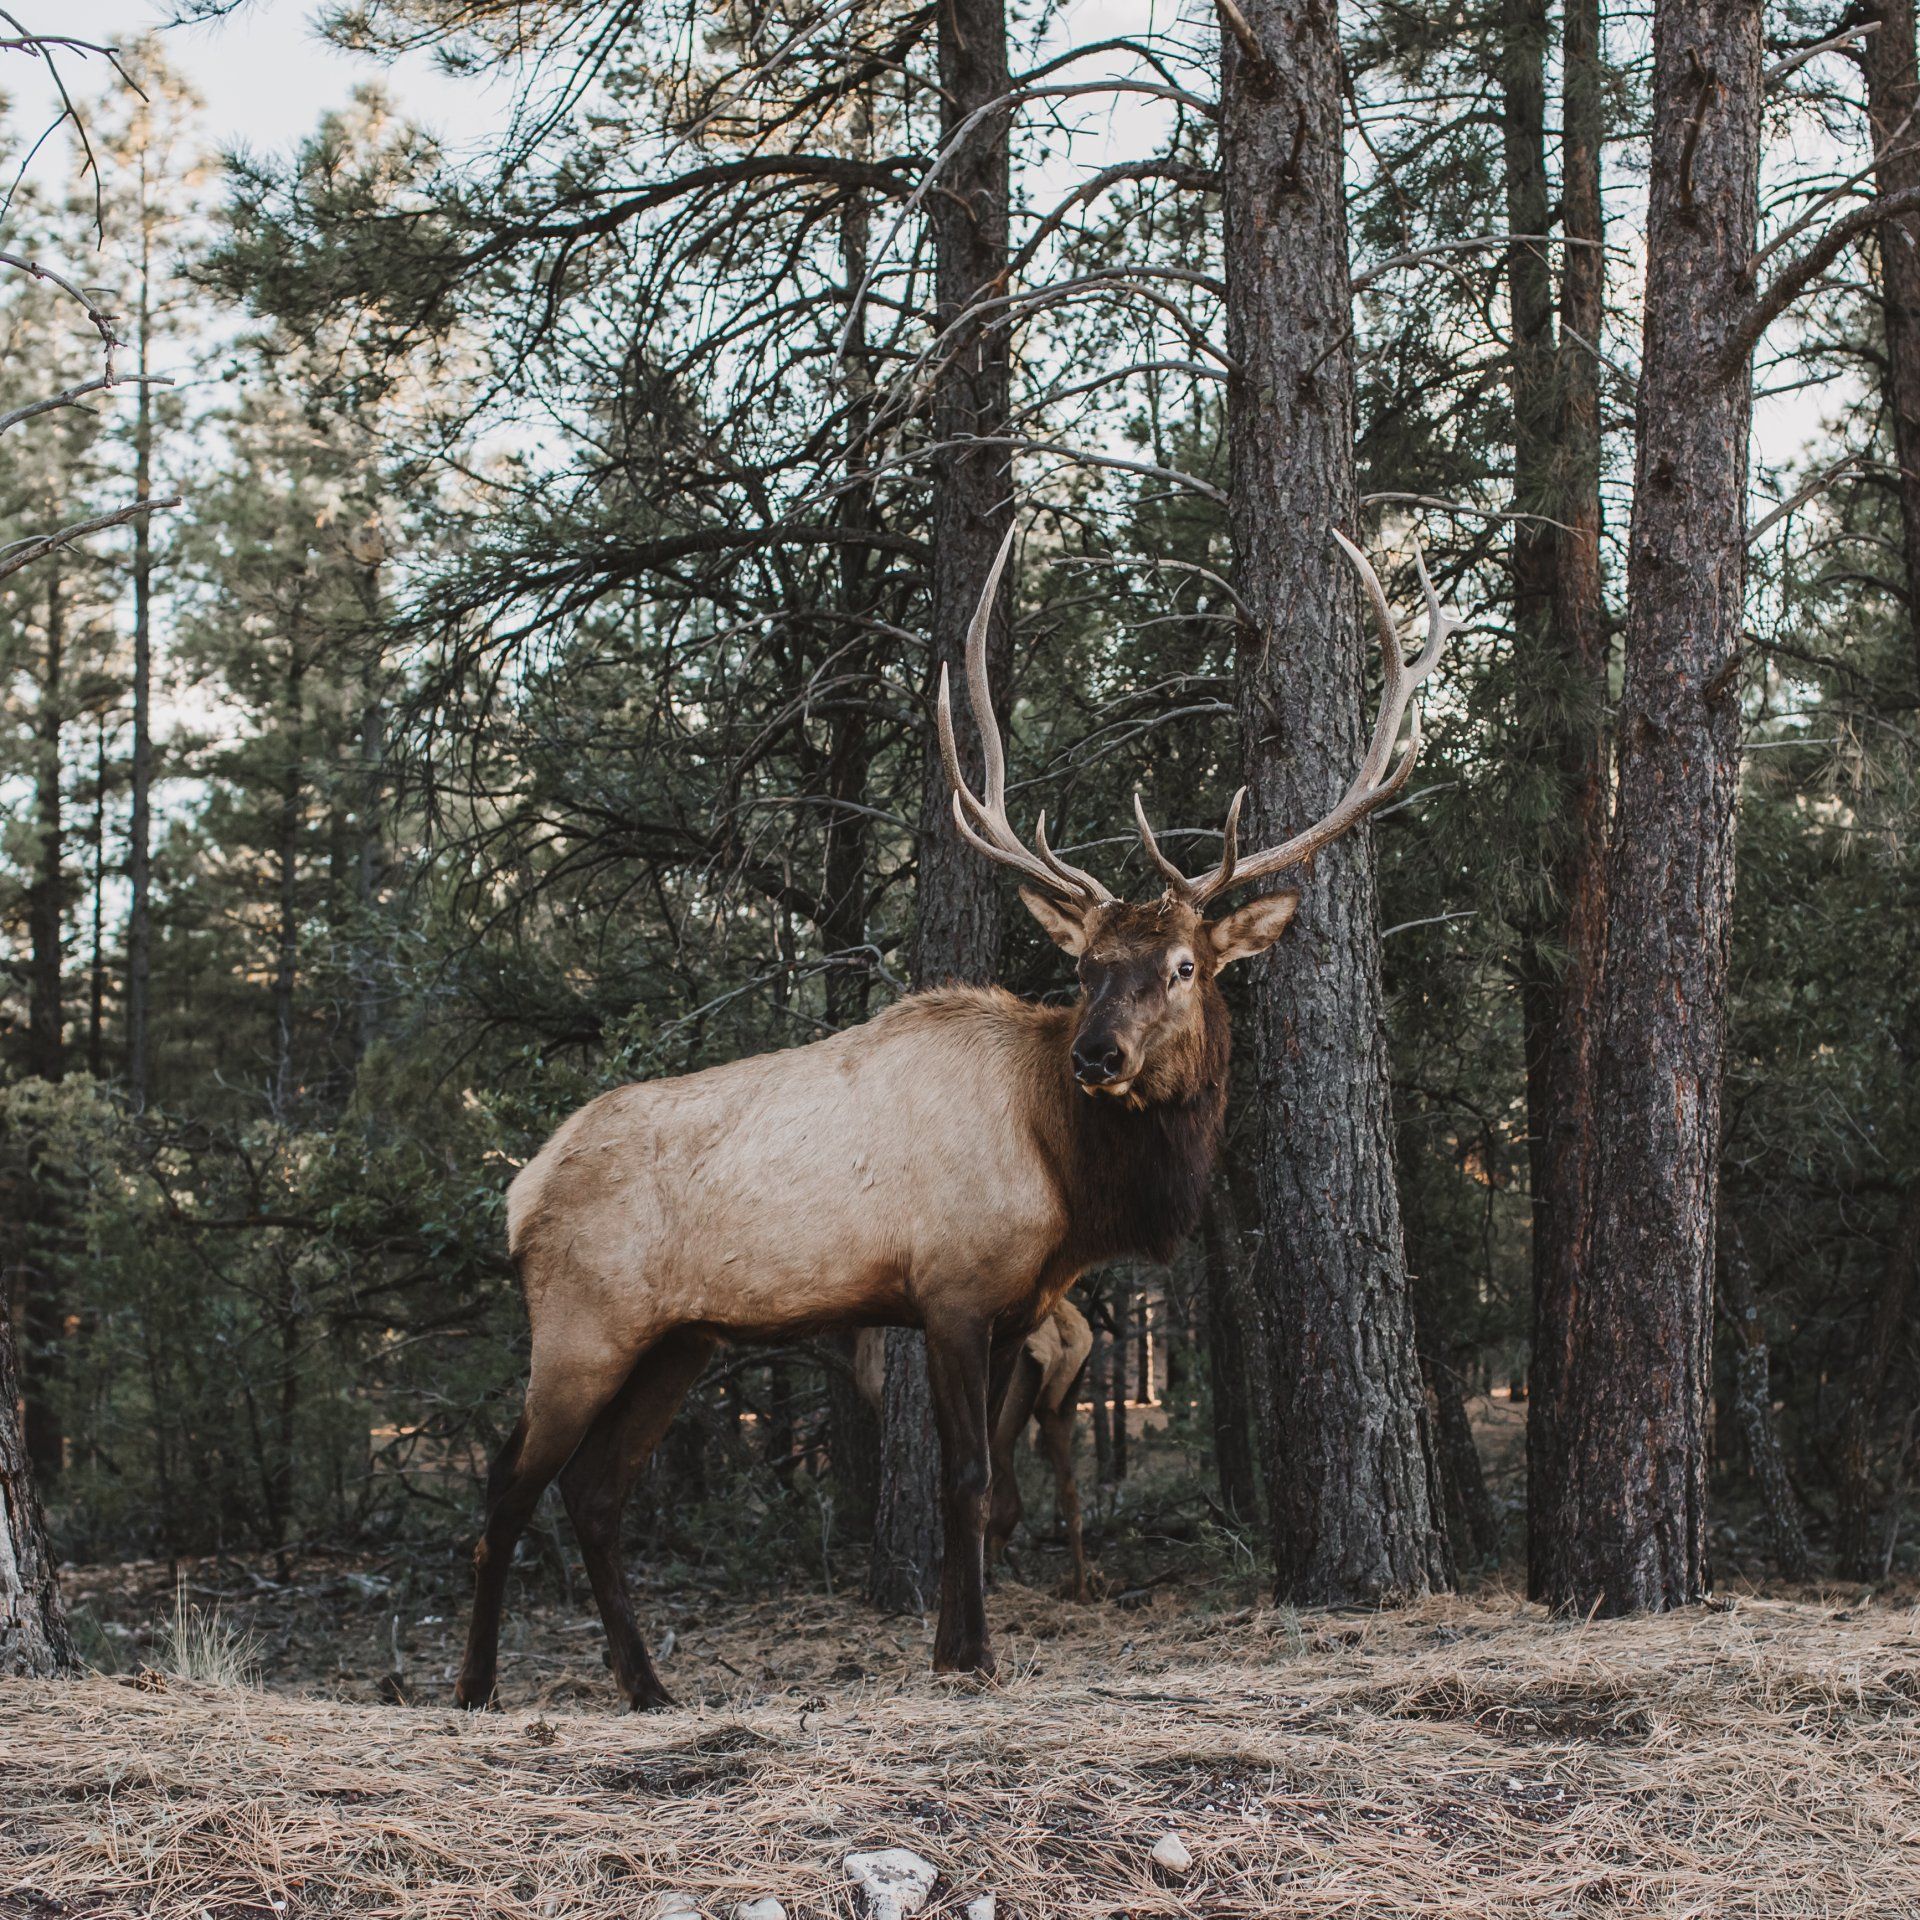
(1464, 1757)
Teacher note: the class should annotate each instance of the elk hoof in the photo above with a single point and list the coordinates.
(473, 1698)
(975, 1663)
(653, 1699)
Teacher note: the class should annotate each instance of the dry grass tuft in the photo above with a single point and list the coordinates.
(201, 1646)
(1454, 1759)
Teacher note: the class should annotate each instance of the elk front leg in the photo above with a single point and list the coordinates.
(958, 1364)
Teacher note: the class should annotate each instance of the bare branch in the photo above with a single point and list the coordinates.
(74, 395)
(1394, 262)
(1794, 61)
(23, 553)
(1797, 500)
(1794, 279)
(101, 319)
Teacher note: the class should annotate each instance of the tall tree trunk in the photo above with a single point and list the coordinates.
(958, 911)
(46, 892)
(140, 823)
(1559, 1003)
(1753, 1402)
(1226, 1370)
(1523, 85)
(43, 1315)
(34, 1641)
(287, 860)
(369, 957)
(1622, 1519)
(853, 1426)
(1893, 94)
(1353, 1517)
(97, 962)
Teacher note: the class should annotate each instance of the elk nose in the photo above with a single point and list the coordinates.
(1095, 1061)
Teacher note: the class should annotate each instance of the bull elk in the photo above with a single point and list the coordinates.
(954, 1164)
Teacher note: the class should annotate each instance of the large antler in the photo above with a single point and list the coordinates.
(983, 823)
(1380, 776)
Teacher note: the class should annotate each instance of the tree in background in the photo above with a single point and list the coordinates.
(33, 1632)
(1622, 1496)
(1354, 1513)
(957, 929)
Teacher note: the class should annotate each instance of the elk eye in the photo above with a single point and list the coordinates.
(1185, 970)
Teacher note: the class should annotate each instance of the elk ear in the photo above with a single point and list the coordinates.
(1063, 923)
(1252, 928)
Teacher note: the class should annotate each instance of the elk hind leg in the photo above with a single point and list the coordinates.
(561, 1405)
(595, 1485)
(1004, 1507)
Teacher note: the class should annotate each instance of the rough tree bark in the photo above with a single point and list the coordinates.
(957, 935)
(1353, 1515)
(1893, 95)
(33, 1624)
(1622, 1513)
(1559, 1000)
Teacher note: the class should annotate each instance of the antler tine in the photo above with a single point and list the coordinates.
(978, 691)
(1079, 876)
(1168, 871)
(983, 824)
(1381, 776)
(1202, 887)
(1441, 626)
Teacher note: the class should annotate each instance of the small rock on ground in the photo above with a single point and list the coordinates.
(892, 1882)
(765, 1908)
(1170, 1852)
(980, 1907)
(677, 1905)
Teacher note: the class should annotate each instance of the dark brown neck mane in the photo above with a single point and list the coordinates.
(1138, 1176)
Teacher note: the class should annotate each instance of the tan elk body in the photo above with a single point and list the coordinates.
(953, 1165)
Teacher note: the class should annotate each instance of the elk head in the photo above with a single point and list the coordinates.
(1147, 971)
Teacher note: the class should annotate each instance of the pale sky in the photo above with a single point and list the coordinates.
(264, 74)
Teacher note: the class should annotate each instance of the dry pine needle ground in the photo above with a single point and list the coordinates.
(1453, 1759)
